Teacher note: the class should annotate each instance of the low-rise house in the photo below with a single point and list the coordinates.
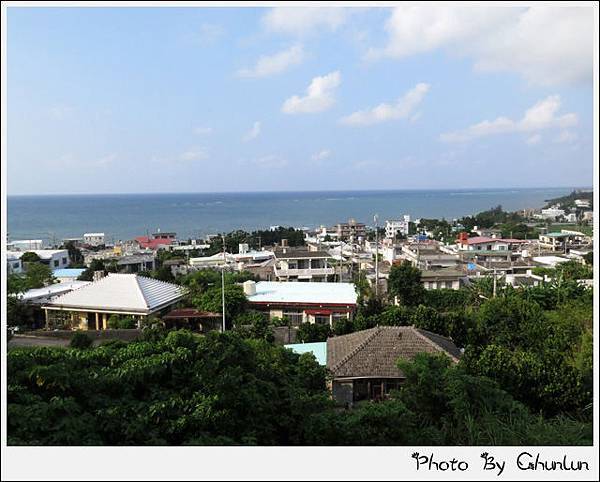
(552, 213)
(136, 263)
(153, 243)
(322, 303)
(93, 239)
(25, 245)
(485, 243)
(364, 365)
(128, 295)
(451, 279)
(40, 296)
(549, 261)
(554, 241)
(297, 264)
(53, 258)
(14, 265)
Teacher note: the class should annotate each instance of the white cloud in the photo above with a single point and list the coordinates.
(319, 95)
(402, 109)
(364, 165)
(203, 131)
(104, 161)
(546, 45)
(539, 117)
(321, 155)
(268, 65)
(303, 20)
(193, 154)
(271, 162)
(534, 139)
(252, 133)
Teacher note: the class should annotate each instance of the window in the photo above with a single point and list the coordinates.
(56, 263)
(294, 317)
(339, 316)
(15, 265)
(64, 260)
(321, 319)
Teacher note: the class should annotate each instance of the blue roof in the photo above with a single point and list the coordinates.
(67, 272)
(319, 350)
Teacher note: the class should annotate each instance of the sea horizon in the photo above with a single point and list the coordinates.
(293, 191)
(194, 215)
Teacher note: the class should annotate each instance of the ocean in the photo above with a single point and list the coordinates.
(124, 216)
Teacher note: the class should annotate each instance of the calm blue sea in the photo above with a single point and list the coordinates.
(124, 216)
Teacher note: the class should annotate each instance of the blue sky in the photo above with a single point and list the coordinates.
(104, 100)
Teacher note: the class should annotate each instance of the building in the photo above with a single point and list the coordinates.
(549, 261)
(485, 243)
(351, 230)
(136, 263)
(588, 216)
(323, 303)
(393, 228)
(25, 245)
(148, 242)
(14, 265)
(195, 320)
(93, 239)
(40, 296)
(298, 264)
(554, 241)
(582, 203)
(450, 279)
(54, 258)
(130, 295)
(552, 213)
(364, 365)
(67, 275)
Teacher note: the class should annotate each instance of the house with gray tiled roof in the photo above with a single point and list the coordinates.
(364, 364)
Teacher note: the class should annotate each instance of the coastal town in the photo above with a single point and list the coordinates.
(304, 286)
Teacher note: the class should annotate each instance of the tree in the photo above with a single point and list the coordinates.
(254, 324)
(211, 300)
(38, 275)
(313, 332)
(30, 257)
(75, 256)
(405, 283)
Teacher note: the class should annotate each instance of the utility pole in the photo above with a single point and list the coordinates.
(494, 293)
(376, 219)
(223, 283)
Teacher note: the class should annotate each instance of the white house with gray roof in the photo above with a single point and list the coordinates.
(129, 295)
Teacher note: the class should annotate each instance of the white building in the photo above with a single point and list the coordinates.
(25, 245)
(322, 303)
(588, 216)
(394, 228)
(14, 265)
(552, 213)
(54, 258)
(571, 218)
(582, 203)
(93, 239)
(294, 264)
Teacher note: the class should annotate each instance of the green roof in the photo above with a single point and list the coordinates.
(557, 235)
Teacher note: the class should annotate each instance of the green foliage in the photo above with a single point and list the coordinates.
(313, 332)
(254, 324)
(181, 390)
(75, 256)
(405, 283)
(30, 257)
(121, 322)
(589, 258)
(81, 341)
(38, 275)
(211, 300)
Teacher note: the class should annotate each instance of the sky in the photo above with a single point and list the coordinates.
(120, 100)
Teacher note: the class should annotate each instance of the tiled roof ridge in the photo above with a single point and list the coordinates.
(429, 341)
(375, 331)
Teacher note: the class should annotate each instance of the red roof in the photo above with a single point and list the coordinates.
(487, 239)
(152, 243)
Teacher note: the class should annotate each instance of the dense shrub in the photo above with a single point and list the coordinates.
(81, 341)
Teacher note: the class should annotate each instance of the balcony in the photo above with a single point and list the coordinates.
(279, 272)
